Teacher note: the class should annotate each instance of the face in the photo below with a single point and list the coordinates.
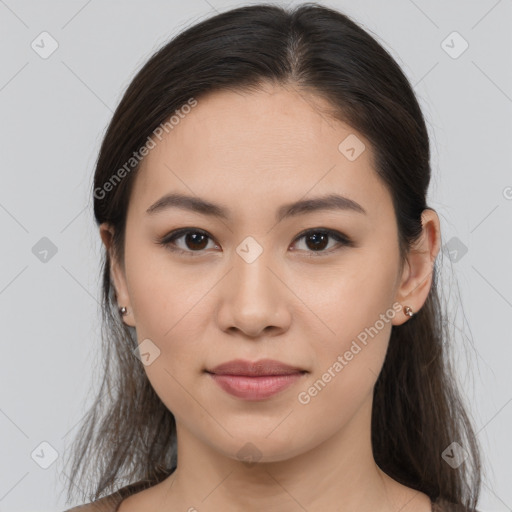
(252, 285)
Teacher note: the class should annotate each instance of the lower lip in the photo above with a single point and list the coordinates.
(255, 388)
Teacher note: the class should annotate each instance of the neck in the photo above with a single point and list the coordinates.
(338, 474)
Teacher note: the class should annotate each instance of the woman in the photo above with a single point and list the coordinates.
(274, 338)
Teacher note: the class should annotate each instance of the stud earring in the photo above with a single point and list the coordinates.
(408, 311)
(123, 310)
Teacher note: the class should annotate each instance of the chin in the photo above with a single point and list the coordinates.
(253, 449)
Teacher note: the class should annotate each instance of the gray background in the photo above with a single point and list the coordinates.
(54, 111)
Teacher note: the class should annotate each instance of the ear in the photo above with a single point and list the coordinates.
(117, 275)
(416, 279)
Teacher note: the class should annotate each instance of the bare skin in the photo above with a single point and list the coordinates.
(252, 153)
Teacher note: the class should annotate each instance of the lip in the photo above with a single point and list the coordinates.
(258, 368)
(256, 380)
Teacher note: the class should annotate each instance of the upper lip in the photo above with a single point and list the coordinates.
(256, 368)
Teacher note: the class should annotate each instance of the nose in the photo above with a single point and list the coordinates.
(254, 299)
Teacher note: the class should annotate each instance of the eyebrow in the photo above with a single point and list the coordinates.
(204, 207)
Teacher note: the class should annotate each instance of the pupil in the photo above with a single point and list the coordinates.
(315, 237)
(319, 240)
(191, 242)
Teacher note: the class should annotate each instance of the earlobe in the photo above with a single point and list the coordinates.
(417, 275)
(117, 278)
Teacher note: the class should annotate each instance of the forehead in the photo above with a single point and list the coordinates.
(250, 149)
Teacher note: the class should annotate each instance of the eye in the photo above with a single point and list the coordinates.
(196, 240)
(317, 239)
(193, 238)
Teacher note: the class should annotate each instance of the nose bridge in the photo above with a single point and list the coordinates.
(252, 275)
(252, 300)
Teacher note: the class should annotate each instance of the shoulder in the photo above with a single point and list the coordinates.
(111, 502)
(107, 504)
(442, 505)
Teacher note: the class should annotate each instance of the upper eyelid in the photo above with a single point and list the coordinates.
(180, 232)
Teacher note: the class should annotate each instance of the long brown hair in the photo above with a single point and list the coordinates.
(128, 434)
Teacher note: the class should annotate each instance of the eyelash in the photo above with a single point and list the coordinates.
(168, 240)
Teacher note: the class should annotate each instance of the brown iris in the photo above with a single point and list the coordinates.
(319, 240)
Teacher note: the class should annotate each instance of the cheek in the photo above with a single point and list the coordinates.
(350, 299)
(348, 362)
(166, 296)
(169, 307)
(356, 312)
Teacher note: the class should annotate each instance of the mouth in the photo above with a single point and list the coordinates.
(257, 380)
(261, 368)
